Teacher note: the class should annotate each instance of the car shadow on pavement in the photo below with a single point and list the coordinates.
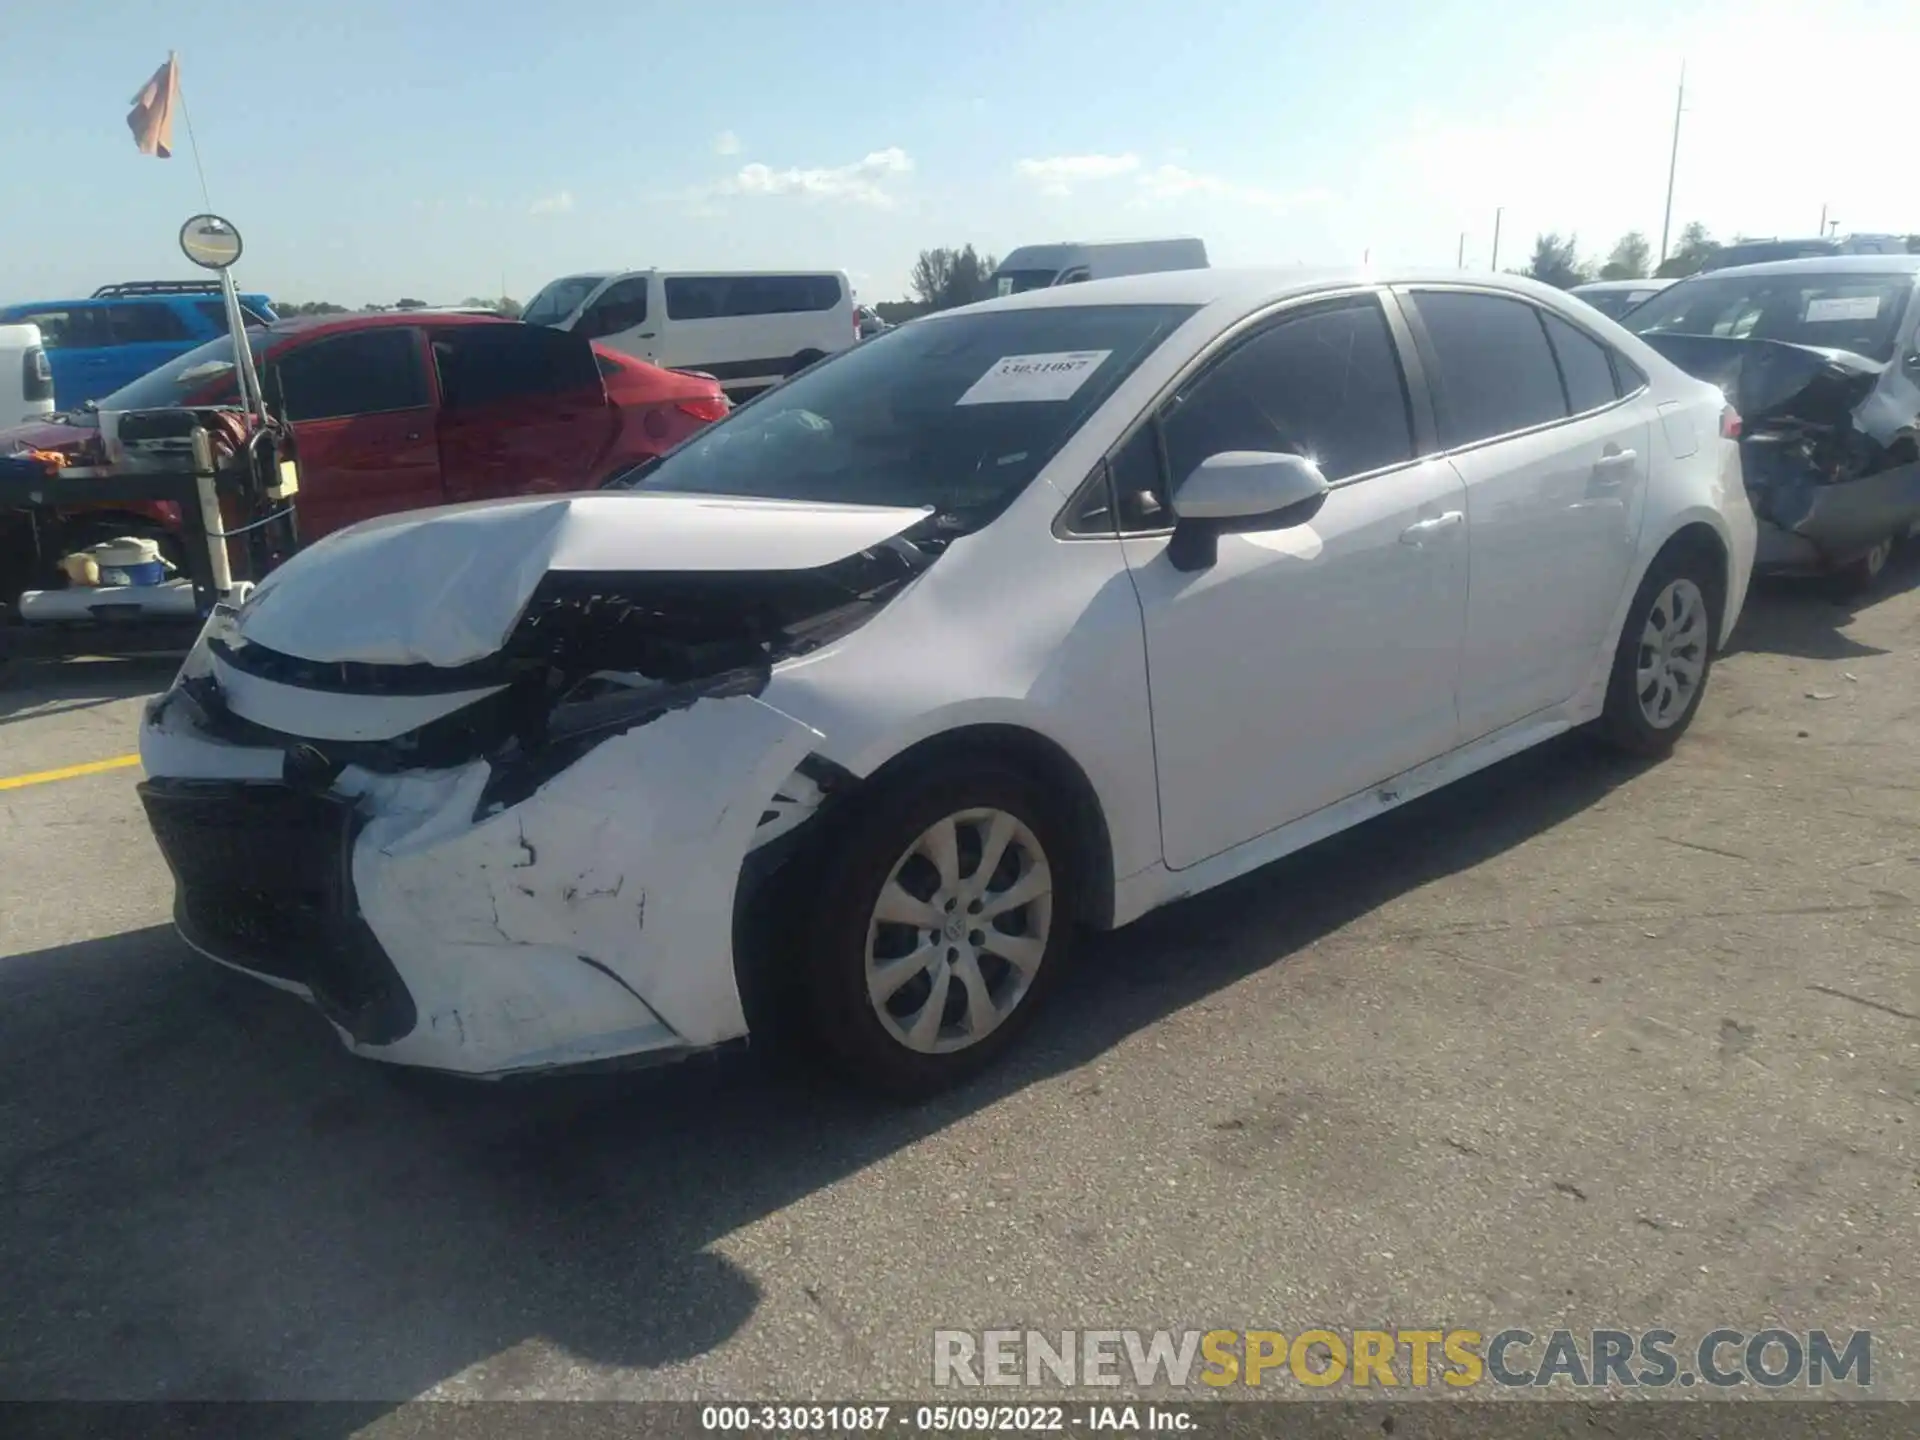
(1805, 620)
(205, 1197)
(34, 690)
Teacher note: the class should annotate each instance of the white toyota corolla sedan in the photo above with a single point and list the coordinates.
(1015, 621)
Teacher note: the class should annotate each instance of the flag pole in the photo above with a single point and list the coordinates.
(192, 143)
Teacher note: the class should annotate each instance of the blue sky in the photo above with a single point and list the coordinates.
(365, 157)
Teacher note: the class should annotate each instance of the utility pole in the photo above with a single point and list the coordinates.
(1823, 219)
(1461, 262)
(1673, 162)
(1494, 264)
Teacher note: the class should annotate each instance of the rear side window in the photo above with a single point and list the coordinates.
(1583, 365)
(1326, 385)
(484, 365)
(84, 327)
(1496, 371)
(146, 324)
(715, 297)
(359, 374)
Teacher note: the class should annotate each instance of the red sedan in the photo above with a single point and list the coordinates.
(404, 410)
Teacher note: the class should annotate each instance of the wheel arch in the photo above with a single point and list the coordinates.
(1047, 761)
(1702, 533)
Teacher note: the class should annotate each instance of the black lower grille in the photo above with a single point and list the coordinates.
(263, 879)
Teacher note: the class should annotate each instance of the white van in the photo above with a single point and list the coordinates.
(747, 329)
(26, 380)
(1035, 267)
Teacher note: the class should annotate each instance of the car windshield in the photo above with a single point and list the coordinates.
(957, 413)
(1013, 282)
(560, 299)
(1850, 311)
(185, 375)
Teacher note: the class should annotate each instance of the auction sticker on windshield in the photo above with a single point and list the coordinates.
(1016, 378)
(1845, 307)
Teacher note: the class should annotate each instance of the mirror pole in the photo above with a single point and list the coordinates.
(250, 396)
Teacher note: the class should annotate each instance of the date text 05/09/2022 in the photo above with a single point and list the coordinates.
(962, 1419)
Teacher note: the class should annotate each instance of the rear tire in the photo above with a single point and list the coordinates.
(1665, 654)
(917, 972)
(1858, 576)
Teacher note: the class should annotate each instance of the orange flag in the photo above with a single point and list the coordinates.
(152, 117)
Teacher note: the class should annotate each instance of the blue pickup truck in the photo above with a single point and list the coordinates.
(120, 332)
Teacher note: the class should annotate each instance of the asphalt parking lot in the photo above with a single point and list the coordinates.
(1575, 1043)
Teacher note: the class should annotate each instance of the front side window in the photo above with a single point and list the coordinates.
(957, 413)
(1326, 385)
(1015, 282)
(621, 306)
(560, 299)
(360, 374)
(1850, 311)
(1496, 372)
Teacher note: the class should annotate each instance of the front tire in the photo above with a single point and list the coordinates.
(939, 924)
(1665, 654)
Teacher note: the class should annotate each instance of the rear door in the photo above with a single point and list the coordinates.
(1555, 464)
(362, 415)
(145, 334)
(523, 410)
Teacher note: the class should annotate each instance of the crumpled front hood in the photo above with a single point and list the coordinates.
(445, 587)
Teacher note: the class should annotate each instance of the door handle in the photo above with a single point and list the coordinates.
(1607, 466)
(645, 335)
(1417, 533)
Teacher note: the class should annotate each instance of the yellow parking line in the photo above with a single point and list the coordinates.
(67, 772)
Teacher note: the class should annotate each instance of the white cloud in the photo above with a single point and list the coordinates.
(557, 204)
(726, 143)
(1167, 183)
(862, 182)
(1058, 174)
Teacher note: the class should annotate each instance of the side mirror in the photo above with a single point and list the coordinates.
(1240, 490)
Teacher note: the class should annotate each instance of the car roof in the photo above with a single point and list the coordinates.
(1824, 265)
(1604, 287)
(308, 324)
(1245, 289)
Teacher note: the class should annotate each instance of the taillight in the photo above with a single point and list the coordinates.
(707, 408)
(1729, 423)
(36, 378)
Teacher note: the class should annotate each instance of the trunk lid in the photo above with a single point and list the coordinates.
(1770, 381)
(447, 587)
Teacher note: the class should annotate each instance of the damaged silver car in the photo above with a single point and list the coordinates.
(1821, 360)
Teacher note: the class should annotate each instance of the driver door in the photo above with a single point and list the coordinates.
(1309, 662)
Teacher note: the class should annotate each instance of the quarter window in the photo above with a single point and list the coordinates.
(1496, 370)
(1583, 365)
(1326, 385)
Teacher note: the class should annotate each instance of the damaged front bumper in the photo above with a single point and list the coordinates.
(438, 924)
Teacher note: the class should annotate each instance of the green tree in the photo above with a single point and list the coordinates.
(1556, 261)
(943, 278)
(409, 304)
(1630, 258)
(1690, 256)
(503, 305)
